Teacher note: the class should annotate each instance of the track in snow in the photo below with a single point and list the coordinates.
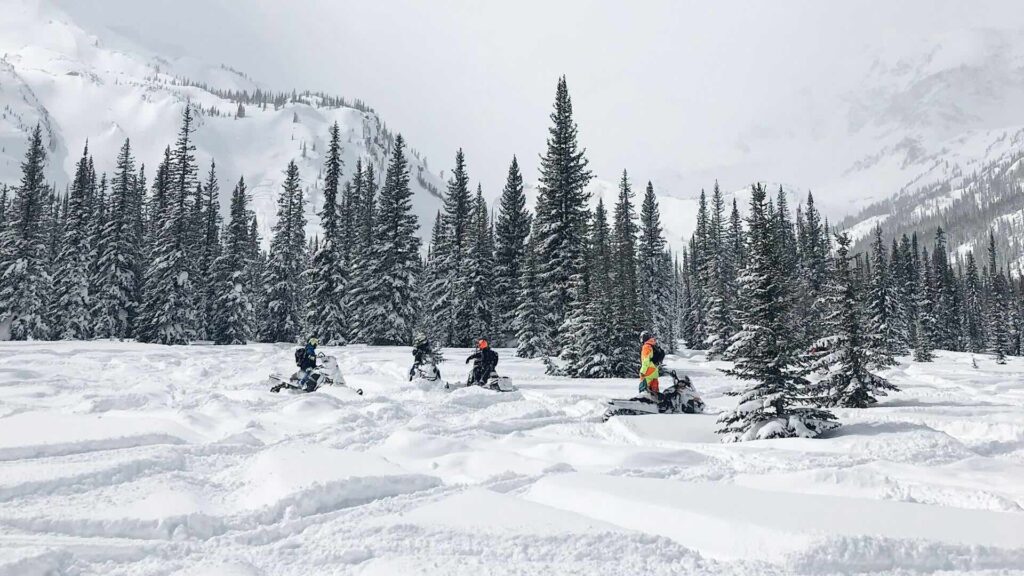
(121, 458)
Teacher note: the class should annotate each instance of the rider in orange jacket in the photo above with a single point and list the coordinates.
(650, 356)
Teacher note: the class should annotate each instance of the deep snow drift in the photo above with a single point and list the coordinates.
(139, 459)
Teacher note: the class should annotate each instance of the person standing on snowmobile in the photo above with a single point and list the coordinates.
(422, 351)
(306, 359)
(486, 361)
(651, 356)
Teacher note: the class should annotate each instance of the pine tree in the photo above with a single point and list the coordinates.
(697, 317)
(528, 323)
(432, 283)
(719, 318)
(974, 320)
(736, 261)
(359, 292)
(943, 295)
(24, 279)
(846, 349)
(924, 340)
(813, 249)
(451, 312)
(588, 353)
(208, 224)
(767, 407)
(283, 321)
(626, 311)
(787, 264)
(116, 303)
(349, 215)
(232, 318)
(98, 245)
(479, 261)
(560, 224)
(389, 297)
(996, 319)
(652, 273)
(4, 201)
(70, 313)
(512, 227)
(169, 307)
(327, 314)
(887, 336)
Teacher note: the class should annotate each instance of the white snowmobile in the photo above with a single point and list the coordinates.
(679, 398)
(493, 382)
(326, 373)
(425, 372)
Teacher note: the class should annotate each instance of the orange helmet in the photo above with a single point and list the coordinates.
(482, 344)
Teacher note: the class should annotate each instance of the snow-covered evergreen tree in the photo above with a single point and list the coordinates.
(973, 318)
(450, 312)
(588, 352)
(512, 226)
(479, 262)
(24, 275)
(71, 315)
(98, 245)
(715, 274)
(529, 323)
(389, 296)
(560, 223)
(768, 407)
(924, 334)
(846, 350)
(365, 215)
(169, 306)
(626, 311)
(697, 307)
(326, 308)
(887, 337)
(996, 319)
(232, 319)
(283, 321)
(115, 304)
(653, 276)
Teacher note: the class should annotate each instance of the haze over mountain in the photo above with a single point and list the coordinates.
(827, 99)
(682, 93)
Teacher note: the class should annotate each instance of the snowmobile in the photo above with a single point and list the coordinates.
(326, 373)
(679, 398)
(425, 372)
(493, 382)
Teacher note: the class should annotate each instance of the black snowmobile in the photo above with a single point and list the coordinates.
(679, 398)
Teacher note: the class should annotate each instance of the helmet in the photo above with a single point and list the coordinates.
(645, 336)
(419, 338)
(482, 344)
(313, 341)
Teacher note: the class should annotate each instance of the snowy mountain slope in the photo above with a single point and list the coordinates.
(79, 88)
(124, 458)
(967, 206)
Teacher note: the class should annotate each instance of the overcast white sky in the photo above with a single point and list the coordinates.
(672, 90)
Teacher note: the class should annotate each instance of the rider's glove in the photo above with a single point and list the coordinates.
(643, 386)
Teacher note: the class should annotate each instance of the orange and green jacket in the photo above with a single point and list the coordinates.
(648, 370)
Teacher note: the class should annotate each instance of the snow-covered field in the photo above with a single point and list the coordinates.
(137, 459)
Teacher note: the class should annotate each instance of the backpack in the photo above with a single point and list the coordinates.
(658, 355)
(300, 356)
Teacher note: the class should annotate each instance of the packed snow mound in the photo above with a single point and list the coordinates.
(104, 88)
(123, 458)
